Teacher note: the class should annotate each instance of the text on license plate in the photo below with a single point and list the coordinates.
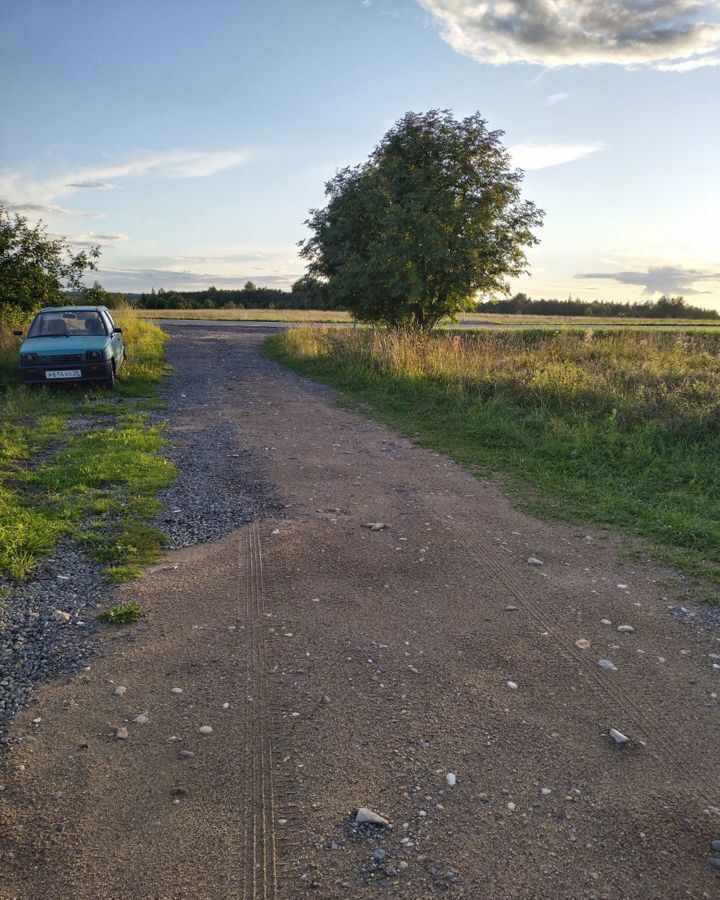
(63, 373)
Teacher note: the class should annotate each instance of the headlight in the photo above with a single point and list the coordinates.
(94, 354)
(29, 357)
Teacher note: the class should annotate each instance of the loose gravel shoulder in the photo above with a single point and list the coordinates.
(219, 487)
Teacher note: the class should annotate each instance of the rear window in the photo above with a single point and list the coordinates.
(67, 323)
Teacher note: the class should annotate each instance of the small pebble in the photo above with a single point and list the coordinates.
(379, 855)
(512, 685)
(119, 690)
(186, 754)
(451, 779)
(605, 622)
(534, 561)
(582, 644)
(511, 608)
(545, 792)
(121, 734)
(714, 862)
(205, 729)
(142, 719)
(176, 690)
(618, 736)
(511, 806)
(626, 629)
(607, 665)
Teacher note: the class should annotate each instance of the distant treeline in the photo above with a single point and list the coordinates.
(664, 308)
(306, 293)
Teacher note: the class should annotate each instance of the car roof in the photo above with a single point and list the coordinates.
(73, 309)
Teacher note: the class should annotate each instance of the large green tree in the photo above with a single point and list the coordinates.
(35, 268)
(433, 219)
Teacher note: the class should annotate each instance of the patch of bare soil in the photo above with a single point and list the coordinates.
(424, 670)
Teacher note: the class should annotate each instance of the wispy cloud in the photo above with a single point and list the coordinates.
(24, 193)
(554, 99)
(39, 209)
(96, 185)
(542, 156)
(661, 279)
(92, 239)
(580, 32)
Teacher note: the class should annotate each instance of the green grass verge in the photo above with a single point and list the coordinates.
(83, 462)
(617, 430)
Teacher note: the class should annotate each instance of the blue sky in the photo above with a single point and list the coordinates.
(190, 139)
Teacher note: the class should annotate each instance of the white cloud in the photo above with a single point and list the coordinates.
(554, 99)
(556, 33)
(23, 193)
(543, 156)
(690, 65)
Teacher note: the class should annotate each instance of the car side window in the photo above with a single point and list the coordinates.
(107, 319)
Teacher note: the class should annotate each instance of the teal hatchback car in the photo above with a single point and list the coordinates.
(72, 343)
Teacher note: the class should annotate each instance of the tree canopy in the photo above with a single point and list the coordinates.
(35, 268)
(431, 220)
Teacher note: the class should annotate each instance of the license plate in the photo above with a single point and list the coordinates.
(63, 373)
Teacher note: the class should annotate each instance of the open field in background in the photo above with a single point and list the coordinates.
(615, 429)
(248, 315)
(82, 461)
(311, 316)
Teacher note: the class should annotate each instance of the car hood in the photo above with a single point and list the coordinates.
(64, 346)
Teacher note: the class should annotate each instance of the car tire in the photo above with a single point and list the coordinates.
(111, 382)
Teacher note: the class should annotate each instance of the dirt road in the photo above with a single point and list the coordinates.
(342, 667)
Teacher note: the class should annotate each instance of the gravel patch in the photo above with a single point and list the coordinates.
(703, 618)
(35, 642)
(219, 485)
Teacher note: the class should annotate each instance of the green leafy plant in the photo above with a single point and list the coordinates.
(124, 614)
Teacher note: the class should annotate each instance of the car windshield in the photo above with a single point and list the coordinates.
(66, 323)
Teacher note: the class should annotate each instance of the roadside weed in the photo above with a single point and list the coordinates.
(124, 614)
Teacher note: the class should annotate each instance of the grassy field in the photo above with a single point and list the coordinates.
(248, 315)
(316, 316)
(82, 461)
(619, 429)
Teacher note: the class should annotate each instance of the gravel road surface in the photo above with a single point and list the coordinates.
(363, 625)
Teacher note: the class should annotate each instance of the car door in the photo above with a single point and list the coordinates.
(116, 341)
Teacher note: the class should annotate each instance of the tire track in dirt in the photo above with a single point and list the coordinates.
(259, 864)
(657, 736)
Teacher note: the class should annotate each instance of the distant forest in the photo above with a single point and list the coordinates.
(308, 293)
(664, 308)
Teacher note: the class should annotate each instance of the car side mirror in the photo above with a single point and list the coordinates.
(117, 331)
(18, 333)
